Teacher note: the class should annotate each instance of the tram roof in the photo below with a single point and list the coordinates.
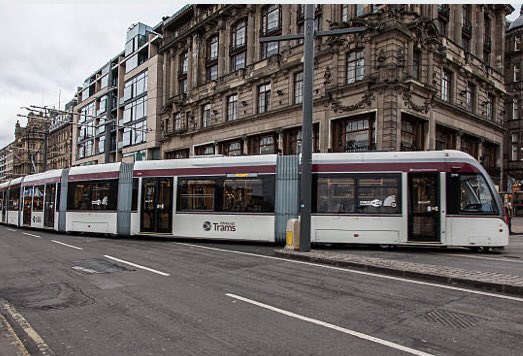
(55, 173)
(201, 162)
(403, 156)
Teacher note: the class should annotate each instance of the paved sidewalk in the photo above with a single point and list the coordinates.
(436, 273)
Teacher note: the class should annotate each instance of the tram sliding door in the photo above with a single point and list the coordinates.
(49, 210)
(27, 207)
(424, 207)
(157, 196)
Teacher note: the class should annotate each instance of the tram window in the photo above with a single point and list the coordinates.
(28, 197)
(469, 194)
(38, 198)
(358, 194)
(96, 195)
(251, 195)
(134, 203)
(196, 194)
(14, 199)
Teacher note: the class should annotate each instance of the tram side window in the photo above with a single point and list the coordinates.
(14, 199)
(38, 198)
(96, 195)
(250, 195)
(134, 203)
(469, 194)
(358, 194)
(196, 194)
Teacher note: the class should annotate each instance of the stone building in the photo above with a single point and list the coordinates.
(116, 115)
(513, 162)
(421, 77)
(60, 137)
(28, 152)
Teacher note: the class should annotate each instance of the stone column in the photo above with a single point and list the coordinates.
(410, 59)
(192, 72)
(175, 65)
(285, 26)
(481, 31)
(222, 44)
(252, 45)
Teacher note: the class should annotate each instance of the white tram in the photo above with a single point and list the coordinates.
(437, 198)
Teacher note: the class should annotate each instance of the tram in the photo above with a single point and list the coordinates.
(436, 198)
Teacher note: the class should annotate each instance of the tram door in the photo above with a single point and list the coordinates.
(50, 194)
(28, 203)
(424, 207)
(157, 195)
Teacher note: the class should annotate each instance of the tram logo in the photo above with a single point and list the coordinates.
(219, 226)
(388, 201)
(207, 225)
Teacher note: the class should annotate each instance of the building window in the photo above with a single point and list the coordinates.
(233, 148)
(237, 61)
(267, 145)
(135, 86)
(412, 134)
(205, 150)
(238, 35)
(443, 19)
(232, 107)
(179, 123)
(416, 64)
(466, 25)
(360, 10)
(445, 138)
(446, 86)
(182, 86)
(355, 66)
(213, 48)
(184, 62)
(515, 108)
(517, 43)
(354, 134)
(514, 147)
(206, 115)
(490, 107)
(271, 25)
(212, 72)
(298, 88)
(264, 98)
(271, 19)
(345, 13)
(517, 73)
(470, 97)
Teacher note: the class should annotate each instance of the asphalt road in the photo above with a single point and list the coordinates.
(194, 299)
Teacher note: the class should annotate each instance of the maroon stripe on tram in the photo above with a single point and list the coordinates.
(414, 167)
(94, 176)
(172, 172)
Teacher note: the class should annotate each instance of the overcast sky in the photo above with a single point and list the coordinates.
(49, 47)
(52, 46)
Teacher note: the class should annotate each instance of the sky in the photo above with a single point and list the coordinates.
(49, 47)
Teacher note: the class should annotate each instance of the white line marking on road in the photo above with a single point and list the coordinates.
(332, 326)
(11, 229)
(71, 246)
(501, 259)
(24, 324)
(362, 273)
(25, 233)
(86, 270)
(138, 266)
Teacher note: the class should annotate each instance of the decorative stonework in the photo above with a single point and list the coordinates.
(424, 108)
(367, 99)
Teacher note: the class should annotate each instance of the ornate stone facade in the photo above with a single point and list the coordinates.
(421, 77)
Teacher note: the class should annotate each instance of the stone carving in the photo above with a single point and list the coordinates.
(366, 99)
(327, 76)
(424, 108)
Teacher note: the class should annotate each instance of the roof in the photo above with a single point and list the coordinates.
(517, 22)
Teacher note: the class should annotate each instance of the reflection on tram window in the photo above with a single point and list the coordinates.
(230, 195)
(246, 195)
(14, 199)
(475, 195)
(196, 195)
(358, 194)
(96, 195)
(38, 198)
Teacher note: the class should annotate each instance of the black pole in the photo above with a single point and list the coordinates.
(306, 141)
